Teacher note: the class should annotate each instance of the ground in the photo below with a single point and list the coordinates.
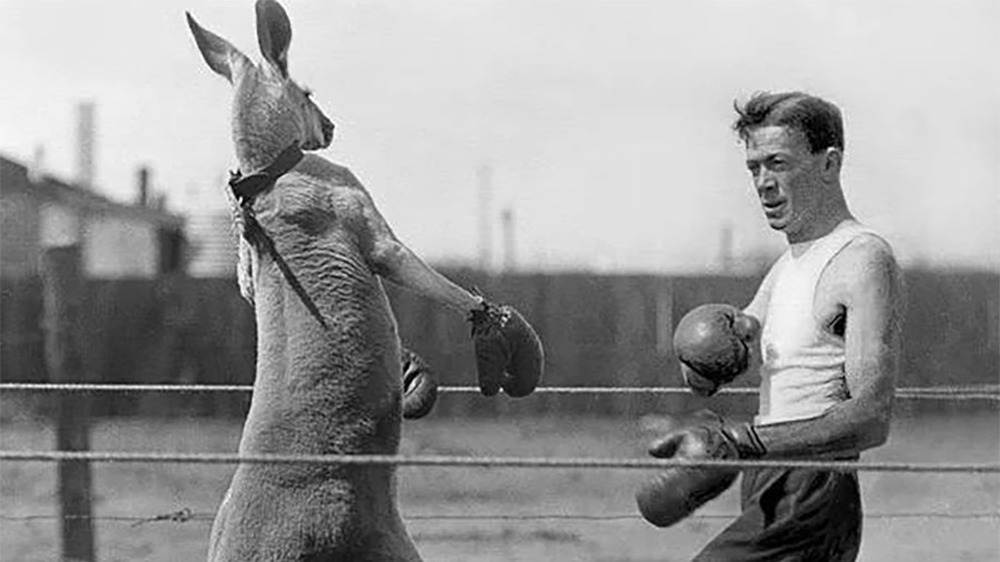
(613, 532)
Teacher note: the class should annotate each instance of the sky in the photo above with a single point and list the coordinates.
(606, 123)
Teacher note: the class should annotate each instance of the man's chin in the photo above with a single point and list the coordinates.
(777, 224)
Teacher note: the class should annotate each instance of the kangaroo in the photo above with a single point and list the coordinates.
(313, 255)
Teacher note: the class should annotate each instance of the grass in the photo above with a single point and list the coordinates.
(143, 490)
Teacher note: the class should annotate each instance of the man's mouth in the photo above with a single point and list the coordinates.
(773, 208)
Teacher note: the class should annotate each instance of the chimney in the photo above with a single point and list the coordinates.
(142, 186)
(37, 168)
(85, 144)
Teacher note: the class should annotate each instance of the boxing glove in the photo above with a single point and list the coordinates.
(677, 492)
(419, 386)
(712, 342)
(509, 354)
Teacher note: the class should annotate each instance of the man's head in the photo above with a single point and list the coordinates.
(794, 148)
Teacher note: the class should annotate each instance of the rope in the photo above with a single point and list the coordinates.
(490, 462)
(185, 515)
(181, 516)
(976, 392)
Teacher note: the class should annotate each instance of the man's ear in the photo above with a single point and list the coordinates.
(221, 57)
(833, 158)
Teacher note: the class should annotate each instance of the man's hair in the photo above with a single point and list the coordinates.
(818, 119)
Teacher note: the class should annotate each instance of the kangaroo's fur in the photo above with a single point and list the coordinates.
(317, 390)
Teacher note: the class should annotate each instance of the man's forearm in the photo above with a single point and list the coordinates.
(843, 431)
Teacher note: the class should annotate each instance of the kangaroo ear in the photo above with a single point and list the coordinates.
(221, 57)
(274, 33)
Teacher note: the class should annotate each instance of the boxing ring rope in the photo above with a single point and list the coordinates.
(185, 515)
(964, 392)
(492, 462)
(960, 392)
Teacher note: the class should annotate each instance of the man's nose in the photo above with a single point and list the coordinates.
(765, 181)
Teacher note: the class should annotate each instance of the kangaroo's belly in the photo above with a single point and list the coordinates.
(332, 388)
(319, 391)
(323, 390)
(317, 523)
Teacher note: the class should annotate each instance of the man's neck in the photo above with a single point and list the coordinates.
(827, 216)
(799, 248)
(818, 230)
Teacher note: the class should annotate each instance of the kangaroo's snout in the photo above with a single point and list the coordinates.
(327, 127)
(319, 131)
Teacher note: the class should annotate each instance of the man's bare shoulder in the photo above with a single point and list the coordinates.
(866, 264)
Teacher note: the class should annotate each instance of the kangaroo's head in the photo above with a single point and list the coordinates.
(270, 111)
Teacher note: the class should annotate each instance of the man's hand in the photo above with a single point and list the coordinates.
(712, 342)
(678, 491)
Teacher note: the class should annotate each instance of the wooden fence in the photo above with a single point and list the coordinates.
(597, 330)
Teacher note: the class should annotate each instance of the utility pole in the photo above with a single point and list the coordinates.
(485, 177)
(726, 248)
(509, 246)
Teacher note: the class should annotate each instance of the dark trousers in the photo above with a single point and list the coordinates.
(792, 515)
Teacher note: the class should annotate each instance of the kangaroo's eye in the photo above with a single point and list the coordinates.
(307, 92)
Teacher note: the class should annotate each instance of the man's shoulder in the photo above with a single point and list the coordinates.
(867, 262)
(867, 249)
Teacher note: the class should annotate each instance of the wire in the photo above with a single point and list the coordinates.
(967, 392)
(492, 462)
(184, 515)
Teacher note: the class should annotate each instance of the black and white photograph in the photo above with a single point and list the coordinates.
(499, 280)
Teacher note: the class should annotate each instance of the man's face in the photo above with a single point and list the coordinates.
(786, 175)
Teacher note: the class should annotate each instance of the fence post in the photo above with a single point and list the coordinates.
(61, 276)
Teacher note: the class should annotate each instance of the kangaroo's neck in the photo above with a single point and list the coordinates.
(262, 123)
(256, 151)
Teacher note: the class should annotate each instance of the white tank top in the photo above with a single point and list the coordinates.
(802, 371)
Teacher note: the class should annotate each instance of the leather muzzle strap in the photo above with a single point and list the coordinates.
(246, 189)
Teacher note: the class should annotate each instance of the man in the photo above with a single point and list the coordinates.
(827, 317)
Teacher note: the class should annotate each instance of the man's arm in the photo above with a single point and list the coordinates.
(757, 309)
(873, 287)
(758, 306)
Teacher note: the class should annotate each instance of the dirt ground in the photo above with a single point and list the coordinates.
(448, 509)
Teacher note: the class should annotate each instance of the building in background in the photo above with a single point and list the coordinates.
(117, 240)
(214, 244)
